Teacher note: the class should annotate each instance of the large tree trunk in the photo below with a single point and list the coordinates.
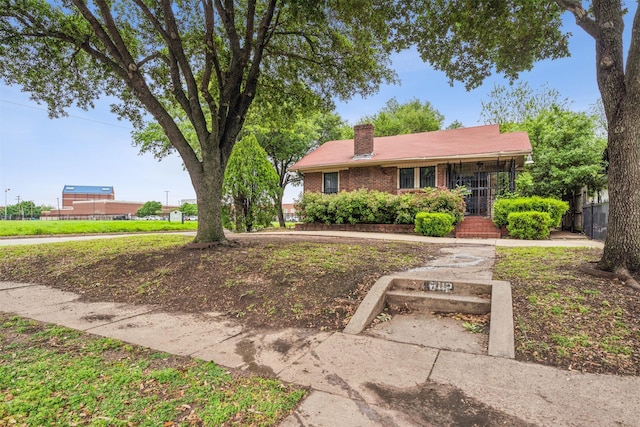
(208, 186)
(279, 210)
(622, 245)
(620, 90)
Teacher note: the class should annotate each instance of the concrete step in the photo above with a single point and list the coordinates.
(439, 302)
(472, 234)
(469, 219)
(394, 289)
(446, 286)
(477, 227)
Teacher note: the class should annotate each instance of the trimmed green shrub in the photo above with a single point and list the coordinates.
(434, 224)
(554, 207)
(529, 225)
(375, 207)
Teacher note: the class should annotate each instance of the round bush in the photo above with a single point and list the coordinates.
(434, 224)
(529, 225)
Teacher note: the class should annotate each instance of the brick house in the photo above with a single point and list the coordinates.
(481, 158)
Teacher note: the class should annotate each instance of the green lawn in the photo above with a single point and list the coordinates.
(567, 318)
(28, 228)
(51, 375)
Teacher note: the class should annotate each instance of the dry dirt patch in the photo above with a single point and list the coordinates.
(271, 281)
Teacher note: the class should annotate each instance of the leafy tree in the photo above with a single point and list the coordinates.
(149, 208)
(455, 125)
(468, 40)
(524, 185)
(189, 209)
(287, 141)
(518, 103)
(252, 184)
(24, 209)
(567, 153)
(203, 60)
(400, 119)
(597, 111)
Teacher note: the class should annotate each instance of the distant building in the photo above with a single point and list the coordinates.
(289, 212)
(74, 193)
(91, 202)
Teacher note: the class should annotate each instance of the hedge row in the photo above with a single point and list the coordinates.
(554, 207)
(375, 207)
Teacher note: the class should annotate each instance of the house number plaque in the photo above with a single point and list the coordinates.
(437, 286)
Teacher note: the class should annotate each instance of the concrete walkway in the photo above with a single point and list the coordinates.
(361, 380)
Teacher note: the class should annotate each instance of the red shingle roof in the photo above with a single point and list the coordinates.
(453, 144)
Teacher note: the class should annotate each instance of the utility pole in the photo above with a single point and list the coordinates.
(5, 202)
(20, 207)
(166, 202)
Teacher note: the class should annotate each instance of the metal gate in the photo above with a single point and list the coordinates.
(595, 218)
(485, 181)
(478, 197)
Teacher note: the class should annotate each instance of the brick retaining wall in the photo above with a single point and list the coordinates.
(376, 228)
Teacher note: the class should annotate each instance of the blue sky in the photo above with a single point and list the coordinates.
(38, 155)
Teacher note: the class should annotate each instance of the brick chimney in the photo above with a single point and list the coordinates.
(363, 140)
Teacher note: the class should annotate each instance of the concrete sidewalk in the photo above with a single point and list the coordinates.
(361, 380)
(354, 380)
(560, 239)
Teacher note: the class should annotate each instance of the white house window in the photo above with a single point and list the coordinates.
(407, 177)
(330, 183)
(420, 177)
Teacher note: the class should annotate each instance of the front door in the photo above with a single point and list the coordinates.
(478, 198)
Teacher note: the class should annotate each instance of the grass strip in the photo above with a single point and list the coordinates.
(51, 375)
(566, 318)
(33, 228)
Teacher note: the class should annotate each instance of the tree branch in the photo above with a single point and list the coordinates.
(633, 58)
(211, 60)
(196, 115)
(251, 82)
(227, 14)
(305, 36)
(248, 33)
(100, 32)
(581, 15)
(112, 29)
(138, 85)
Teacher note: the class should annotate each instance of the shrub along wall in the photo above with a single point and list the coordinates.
(554, 207)
(375, 207)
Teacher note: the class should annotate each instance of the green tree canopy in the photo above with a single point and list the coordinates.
(517, 103)
(189, 209)
(24, 209)
(399, 119)
(251, 182)
(149, 208)
(287, 139)
(204, 61)
(567, 153)
(469, 40)
(456, 124)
